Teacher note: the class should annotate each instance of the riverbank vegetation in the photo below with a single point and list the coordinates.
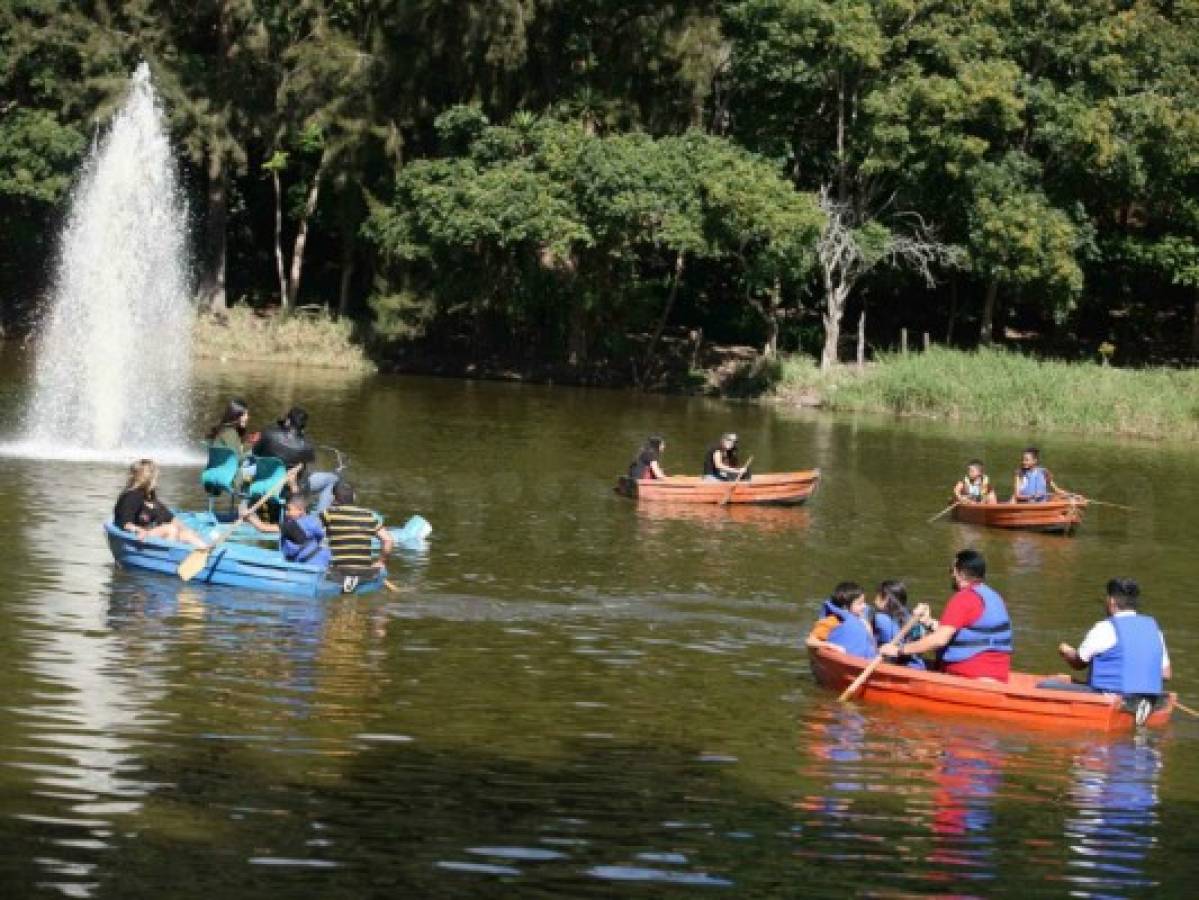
(1001, 388)
(307, 339)
(562, 184)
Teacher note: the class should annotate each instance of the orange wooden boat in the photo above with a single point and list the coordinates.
(1058, 516)
(777, 488)
(1019, 702)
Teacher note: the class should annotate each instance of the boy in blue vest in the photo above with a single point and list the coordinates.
(301, 533)
(1034, 483)
(843, 624)
(1126, 651)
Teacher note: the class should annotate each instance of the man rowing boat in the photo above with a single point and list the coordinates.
(974, 636)
(1126, 652)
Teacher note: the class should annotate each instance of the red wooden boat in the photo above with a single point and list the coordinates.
(1058, 516)
(777, 488)
(1019, 702)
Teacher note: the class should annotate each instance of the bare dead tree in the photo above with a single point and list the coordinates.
(847, 254)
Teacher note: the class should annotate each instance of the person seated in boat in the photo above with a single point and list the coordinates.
(287, 440)
(974, 636)
(139, 510)
(648, 464)
(230, 431)
(975, 486)
(1125, 652)
(891, 613)
(301, 534)
(349, 530)
(843, 623)
(721, 462)
(1034, 483)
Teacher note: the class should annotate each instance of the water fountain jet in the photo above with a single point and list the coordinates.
(113, 362)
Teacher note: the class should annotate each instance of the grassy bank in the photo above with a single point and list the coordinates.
(995, 387)
(308, 341)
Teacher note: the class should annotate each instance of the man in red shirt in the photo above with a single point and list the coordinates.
(974, 637)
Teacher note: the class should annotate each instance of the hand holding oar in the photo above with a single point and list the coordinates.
(198, 559)
(848, 693)
(952, 505)
(729, 496)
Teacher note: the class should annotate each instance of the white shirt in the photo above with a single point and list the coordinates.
(1102, 637)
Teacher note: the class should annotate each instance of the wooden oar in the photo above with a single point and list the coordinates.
(729, 496)
(952, 505)
(1089, 502)
(198, 558)
(1186, 709)
(848, 693)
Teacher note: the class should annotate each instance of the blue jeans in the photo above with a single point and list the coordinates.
(322, 484)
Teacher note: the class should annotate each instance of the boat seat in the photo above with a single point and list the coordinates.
(221, 475)
(269, 471)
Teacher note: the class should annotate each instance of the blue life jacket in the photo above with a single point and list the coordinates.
(992, 630)
(1034, 485)
(852, 635)
(1134, 665)
(309, 550)
(886, 629)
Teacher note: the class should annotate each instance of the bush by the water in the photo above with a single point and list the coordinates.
(308, 340)
(1002, 388)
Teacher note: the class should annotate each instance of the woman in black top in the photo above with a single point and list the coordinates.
(139, 510)
(648, 463)
(721, 462)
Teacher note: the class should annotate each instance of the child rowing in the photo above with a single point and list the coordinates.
(1034, 483)
(891, 613)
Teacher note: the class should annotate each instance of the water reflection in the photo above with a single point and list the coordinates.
(92, 705)
(772, 519)
(1112, 826)
(940, 804)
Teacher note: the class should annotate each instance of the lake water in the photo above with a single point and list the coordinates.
(573, 695)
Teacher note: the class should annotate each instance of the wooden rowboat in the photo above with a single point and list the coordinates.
(1018, 702)
(1058, 516)
(776, 488)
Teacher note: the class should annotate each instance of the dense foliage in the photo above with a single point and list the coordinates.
(576, 178)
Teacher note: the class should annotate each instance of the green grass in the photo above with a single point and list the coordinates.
(306, 340)
(1001, 388)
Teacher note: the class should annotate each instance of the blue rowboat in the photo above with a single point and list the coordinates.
(258, 568)
(413, 536)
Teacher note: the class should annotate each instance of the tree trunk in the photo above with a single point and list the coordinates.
(680, 260)
(835, 308)
(280, 268)
(986, 333)
(212, 283)
(862, 339)
(297, 253)
(576, 339)
(1195, 329)
(347, 272)
(771, 350)
(953, 310)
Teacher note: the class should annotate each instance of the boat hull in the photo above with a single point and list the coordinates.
(235, 565)
(771, 488)
(1053, 516)
(1018, 702)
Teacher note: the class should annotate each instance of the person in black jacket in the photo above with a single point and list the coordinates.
(286, 439)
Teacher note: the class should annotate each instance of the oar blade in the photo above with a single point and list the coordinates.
(193, 564)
